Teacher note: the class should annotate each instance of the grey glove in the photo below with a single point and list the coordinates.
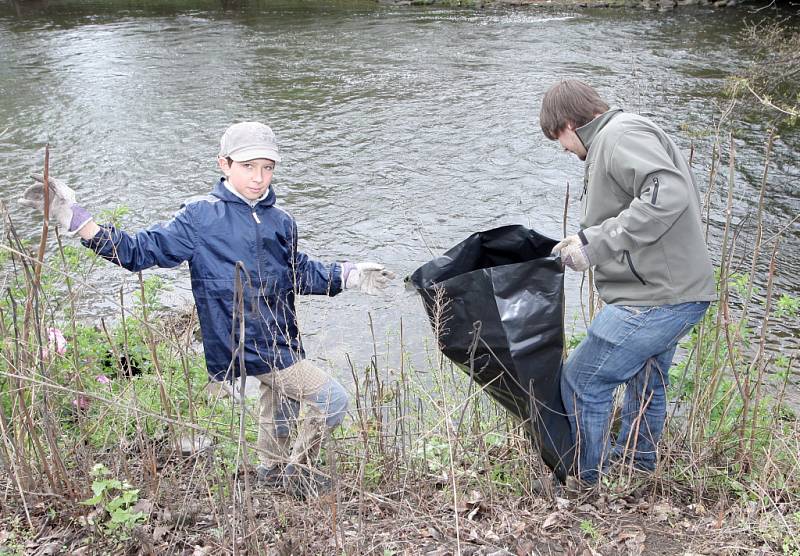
(573, 253)
(367, 277)
(68, 214)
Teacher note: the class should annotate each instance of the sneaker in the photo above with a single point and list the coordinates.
(550, 487)
(270, 476)
(576, 489)
(547, 486)
(304, 483)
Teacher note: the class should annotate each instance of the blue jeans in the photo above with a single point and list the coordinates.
(624, 345)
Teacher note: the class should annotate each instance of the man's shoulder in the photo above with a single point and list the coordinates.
(627, 122)
(627, 129)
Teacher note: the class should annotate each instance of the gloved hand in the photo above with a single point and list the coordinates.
(573, 253)
(68, 214)
(367, 277)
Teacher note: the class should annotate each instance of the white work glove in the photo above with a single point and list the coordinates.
(368, 277)
(573, 253)
(68, 214)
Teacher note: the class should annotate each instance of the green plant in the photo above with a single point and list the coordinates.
(588, 528)
(575, 339)
(435, 452)
(373, 473)
(738, 282)
(14, 537)
(113, 215)
(787, 306)
(116, 498)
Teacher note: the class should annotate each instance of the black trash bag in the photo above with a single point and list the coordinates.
(495, 301)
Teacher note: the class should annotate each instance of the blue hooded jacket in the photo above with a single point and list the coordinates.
(213, 233)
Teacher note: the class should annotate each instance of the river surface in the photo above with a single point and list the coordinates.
(402, 129)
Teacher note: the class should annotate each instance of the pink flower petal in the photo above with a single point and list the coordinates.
(57, 340)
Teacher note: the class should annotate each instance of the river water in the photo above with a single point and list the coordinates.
(403, 129)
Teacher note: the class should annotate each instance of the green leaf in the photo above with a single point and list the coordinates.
(94, 500)
(115, 504)
(130, 496)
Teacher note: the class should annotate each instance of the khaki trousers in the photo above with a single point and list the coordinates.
(302, 394)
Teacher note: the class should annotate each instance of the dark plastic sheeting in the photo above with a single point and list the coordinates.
(495, 301)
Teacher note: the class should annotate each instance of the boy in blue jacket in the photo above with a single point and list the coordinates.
(245, 273)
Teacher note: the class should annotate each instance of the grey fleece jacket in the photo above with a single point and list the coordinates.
(641, 224)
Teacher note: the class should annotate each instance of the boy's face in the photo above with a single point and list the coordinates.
(570, 142)
(250, 178)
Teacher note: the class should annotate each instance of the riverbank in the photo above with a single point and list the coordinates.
(419, 516)
(112, 444)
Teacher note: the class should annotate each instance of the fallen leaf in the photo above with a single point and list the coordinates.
(434, 533)
(166, 516)
(662, 512)
(475, 497)
(637, 536)
(96, 516)
(160, 532)
(551, 520)
(50, 548)
(144, 505)
(698, 509)
(525, 548)
(562, 503)
(471, 515)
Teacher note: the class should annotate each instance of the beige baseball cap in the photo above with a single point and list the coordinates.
(248, 141)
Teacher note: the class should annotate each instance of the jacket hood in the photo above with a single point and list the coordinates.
(224, 194)
(588, 132)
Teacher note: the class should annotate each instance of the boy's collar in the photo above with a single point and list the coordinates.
(223, 183)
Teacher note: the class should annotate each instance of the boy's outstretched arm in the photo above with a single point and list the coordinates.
(164, 245)
(69, 215)
(369, 278)
(313, 277)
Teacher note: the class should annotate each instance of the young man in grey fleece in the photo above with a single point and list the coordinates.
(641, 230)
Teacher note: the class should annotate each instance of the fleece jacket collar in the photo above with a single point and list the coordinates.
(588, 132)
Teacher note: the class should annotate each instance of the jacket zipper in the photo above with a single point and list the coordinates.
(258, 241)
(654, 196)
(630, 264)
